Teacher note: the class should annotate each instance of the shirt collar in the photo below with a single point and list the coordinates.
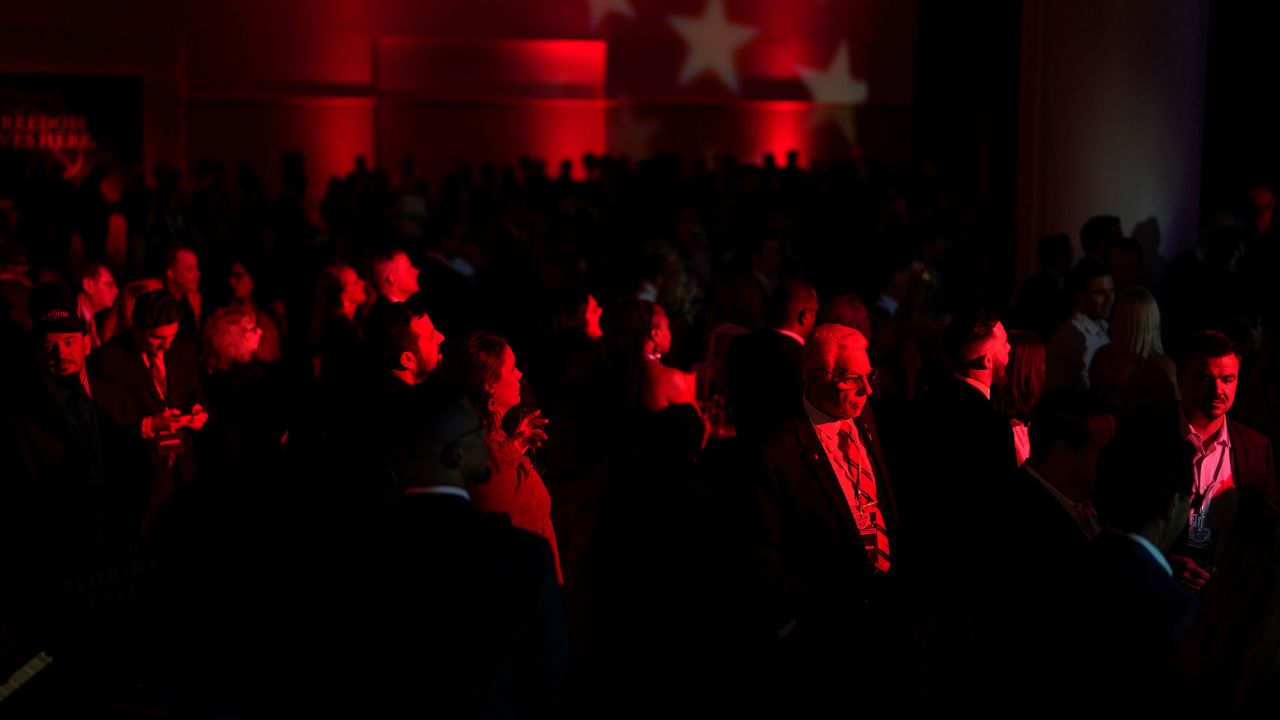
(888, 304)
(1222, 438)
(1088, 325)
(981, 387)
(438, 490)
(1153, 550)
(793, 335)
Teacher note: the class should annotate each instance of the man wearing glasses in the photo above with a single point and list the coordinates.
(825, 526)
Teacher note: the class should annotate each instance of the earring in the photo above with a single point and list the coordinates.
(493, 402)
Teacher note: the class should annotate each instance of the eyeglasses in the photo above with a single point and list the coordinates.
(846, 382)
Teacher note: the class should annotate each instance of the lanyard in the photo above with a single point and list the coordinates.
(1199, 503)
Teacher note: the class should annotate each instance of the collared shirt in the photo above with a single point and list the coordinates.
(1082, 513)
(1153, 550)
(1212, 465)
(794, 336)
(438, 490)
(981, 387)
(828, 429)
(1095, 335)
(847, 455)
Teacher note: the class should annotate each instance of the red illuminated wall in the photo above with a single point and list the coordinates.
(480, 80)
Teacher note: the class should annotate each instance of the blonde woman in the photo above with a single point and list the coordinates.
(1132, 372)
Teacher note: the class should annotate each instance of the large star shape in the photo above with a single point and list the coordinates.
(601, 8)
(836, 85)
(839, 115)
(712, 41)
(630, 133)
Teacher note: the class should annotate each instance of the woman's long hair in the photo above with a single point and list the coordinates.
(1024, 378)
(470, 363)
(1135, 323)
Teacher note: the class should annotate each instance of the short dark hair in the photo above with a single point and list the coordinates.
(1140, 472)
(388, 334)
(1087, 269)
(384, 257)
(154, 309)
(91, 271)
(1209, 344)
(1098, 231)
(788, 299)
(431, 416)
(966, 330)
(171, 255)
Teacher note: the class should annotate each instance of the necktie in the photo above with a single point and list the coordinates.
(862, 498)
(158, 375)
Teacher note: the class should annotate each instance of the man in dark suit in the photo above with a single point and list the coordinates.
(457, 614)
(1228, 455)
(960, 445)
(826, 517)
(1134, 610)
(72, 492)
(961, 456)
(159, 373)
(763, 367)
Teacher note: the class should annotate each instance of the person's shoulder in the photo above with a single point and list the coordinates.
(1245, 435)
(113, 349)
(784, 438)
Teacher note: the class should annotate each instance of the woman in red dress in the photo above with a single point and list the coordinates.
(485, 367)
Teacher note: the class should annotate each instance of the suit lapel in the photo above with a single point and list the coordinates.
(884, 493)
(815, 456)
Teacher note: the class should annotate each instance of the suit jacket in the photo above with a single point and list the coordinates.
(1253, 464)
(763, 373)
(73, 485)
(961, 453)
(1039, 526)
(456, 614)
(811, 563)
(120, 360)
(1133, 617)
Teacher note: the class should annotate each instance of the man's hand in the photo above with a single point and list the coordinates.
(199, 416)
(167, 420)
(1189, 573)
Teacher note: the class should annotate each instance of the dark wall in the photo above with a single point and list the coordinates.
(966, 112)
(1242, 120)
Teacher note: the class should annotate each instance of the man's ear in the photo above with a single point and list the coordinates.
(408, 361)
(88, 343)
(451, 456)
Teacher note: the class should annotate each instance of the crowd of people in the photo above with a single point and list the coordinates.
(718, 436)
